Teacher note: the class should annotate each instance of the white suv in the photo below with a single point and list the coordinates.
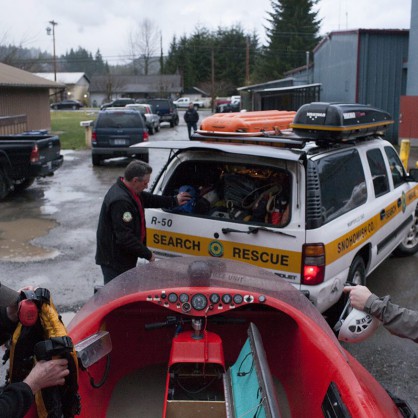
(320, 205)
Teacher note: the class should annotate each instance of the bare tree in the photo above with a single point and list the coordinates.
(143, 45)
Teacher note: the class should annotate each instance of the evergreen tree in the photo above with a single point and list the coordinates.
(293, 30)
(192, 58)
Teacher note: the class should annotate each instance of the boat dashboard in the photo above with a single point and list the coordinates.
(201, 303)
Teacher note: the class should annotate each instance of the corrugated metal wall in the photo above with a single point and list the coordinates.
(364, 66)
(336, 66)
(32, 102)
(381, 74)
(412, 84)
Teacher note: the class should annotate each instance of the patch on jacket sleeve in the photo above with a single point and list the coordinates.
(127, 217)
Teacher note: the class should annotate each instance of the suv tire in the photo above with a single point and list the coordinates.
(142, 157)
(409, 245)
(95, 159)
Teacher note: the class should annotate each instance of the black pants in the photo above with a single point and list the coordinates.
(109, 273)
(191, 125)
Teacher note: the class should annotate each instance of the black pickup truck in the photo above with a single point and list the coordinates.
(25, 157)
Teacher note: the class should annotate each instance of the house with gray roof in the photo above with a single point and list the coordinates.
(76, 85)
(104, 88)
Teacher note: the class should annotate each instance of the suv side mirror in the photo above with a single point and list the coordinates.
(413, 175)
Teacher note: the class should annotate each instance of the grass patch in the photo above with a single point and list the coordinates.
(66, 124)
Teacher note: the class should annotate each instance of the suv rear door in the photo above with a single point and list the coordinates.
(211, 229)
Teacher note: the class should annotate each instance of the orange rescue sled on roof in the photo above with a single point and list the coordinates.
(248, 122)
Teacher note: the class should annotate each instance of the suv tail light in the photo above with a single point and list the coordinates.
(94, 137)
(34, 155)
(145, 136)
(313, 264)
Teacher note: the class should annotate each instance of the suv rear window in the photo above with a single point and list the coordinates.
(160, 104)
(237, 192)
(119, 120)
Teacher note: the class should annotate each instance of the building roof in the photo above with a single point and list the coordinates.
(64, 78)
(358, 32)
(283, 82)
(15, 77)
(170, 83)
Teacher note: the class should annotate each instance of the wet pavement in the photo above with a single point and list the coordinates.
(48, 239)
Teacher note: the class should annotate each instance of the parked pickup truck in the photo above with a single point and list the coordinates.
(185, 101)
(25, 157)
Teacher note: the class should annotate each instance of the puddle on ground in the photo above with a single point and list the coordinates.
(16, 237)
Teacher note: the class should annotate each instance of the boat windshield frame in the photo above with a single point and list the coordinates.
(202, 272)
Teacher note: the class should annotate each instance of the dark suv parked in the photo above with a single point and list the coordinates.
(122, 102)
(166, 110)
(114, 131)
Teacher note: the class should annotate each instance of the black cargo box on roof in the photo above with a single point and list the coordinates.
(339, 122)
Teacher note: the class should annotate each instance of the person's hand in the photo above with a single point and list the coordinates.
(358, 296)
(183, 198)
(47, 373)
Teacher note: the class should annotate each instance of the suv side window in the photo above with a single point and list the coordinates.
(342, 183)
(396, 167)
(378, 172)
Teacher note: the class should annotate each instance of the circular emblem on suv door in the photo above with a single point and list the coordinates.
(216, 249)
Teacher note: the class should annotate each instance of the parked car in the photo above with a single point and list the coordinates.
(114, 131)
(166, 110)
(67, 104)
(185, 102)
(152, 120)
(234, 106)
(121, 102)
(319, 205)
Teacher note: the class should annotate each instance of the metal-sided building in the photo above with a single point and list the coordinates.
(364, 66)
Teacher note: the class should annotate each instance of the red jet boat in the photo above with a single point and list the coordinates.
(201, 337)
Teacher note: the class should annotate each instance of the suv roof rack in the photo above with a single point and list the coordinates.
(323, 123)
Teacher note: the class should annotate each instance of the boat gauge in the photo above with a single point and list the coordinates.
(199, 302)
(186, 307)
(184, 298)
(226, 298)
(214, 298)
(172, 298)
(238, 299)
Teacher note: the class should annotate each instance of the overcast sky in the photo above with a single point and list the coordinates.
(106, 24)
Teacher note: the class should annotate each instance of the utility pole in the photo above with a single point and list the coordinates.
(213, 79)
(247, 62)
(48, 31)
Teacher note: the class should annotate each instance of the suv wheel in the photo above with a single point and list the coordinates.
(151, 130)
(356, 275)
(176, 121)
(172, 123)
(143, 157)
(409, 245)
(95, 159)
(4, 186)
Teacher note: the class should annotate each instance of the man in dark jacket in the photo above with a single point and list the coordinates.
(121, 233)
(17, 398)
(191, 118)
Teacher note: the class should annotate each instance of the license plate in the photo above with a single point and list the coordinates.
(119, 142)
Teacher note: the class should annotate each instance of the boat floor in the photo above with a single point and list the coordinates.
(141, 394)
